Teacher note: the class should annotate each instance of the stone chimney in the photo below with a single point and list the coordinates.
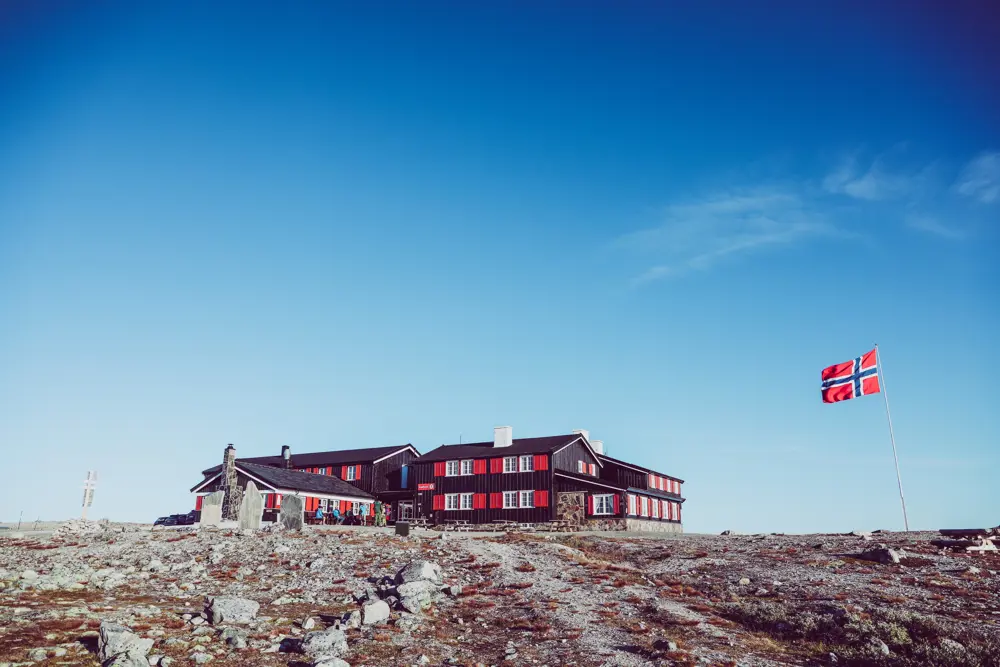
(503, 436)
(234, 494)
(584, 432)
(598, 446)
(286, 455)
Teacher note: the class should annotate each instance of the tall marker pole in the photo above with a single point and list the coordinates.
(885, 395)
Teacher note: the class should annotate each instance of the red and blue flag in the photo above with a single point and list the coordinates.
(851, 379)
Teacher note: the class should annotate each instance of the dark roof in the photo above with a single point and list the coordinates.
(633, 465)
(296, 480)
(318, 459)
(480, 449)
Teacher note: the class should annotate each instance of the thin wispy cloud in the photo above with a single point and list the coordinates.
(980, 179)
(696, 235)
(934, 226)
(878, 181)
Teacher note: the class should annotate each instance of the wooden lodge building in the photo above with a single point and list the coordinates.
(349, 479)
(565, 478)
(536, 480)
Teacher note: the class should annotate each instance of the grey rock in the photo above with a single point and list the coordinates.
(211, 508)
(234, 637)
(200, 658)
(309, 623)
(29, 575)
(952, 646)
(881, 647)
(38, 654)
(325, 644)
(166, 661)
(154, 660)
(127, 660)
(454, 591)
(232, 610)
(882, 554)
(292, 515)
(251, 507)
(420, 570)
(114, 640)
(331, 662)
(375, 612)
(318, 563)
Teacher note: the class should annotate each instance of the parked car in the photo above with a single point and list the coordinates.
(178, 519)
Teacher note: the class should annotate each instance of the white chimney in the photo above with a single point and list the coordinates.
(503, 436)
(598, 446)
(584, 432)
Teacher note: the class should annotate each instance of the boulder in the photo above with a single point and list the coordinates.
(375, 612)
(420, 570)
(128, 660)
(116, 640)
(331, 662)
(232, 610)
(326, 644)
(882, 554)
(291, 516)
(234, 637)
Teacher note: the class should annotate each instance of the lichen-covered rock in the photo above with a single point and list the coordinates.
(232, 610)
(420, 570)
(330, 643)
(116, 640)
(375, 612)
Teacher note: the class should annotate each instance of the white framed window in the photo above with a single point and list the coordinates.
(510, 464)
(451, 501)
(467, 466)
(527, 463)
(509, 499)
(527, 498)
(350, 473)
(359, 509)
(645, 506)
(656, 509)
(631, 504)
(451, 469)
(466, 501)
(581, 467)
(604, 504)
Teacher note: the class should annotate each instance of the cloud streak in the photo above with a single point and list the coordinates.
(980, 179)
(696, 235)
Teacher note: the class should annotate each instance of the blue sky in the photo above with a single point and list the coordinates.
(336, 226)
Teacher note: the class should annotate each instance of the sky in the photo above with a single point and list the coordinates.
(339, 225)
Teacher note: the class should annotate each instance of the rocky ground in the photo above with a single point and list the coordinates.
(124, 595)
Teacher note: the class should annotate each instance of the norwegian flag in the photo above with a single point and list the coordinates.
(851, 379)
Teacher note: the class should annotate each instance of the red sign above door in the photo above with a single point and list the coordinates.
(425, 487)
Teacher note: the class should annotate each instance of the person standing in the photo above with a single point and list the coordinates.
(379, 513)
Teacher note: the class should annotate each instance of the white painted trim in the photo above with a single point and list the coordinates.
(401, 449)
(325, 496)
(596, 483)
(207, 481)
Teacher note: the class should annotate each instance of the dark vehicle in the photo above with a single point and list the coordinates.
(177, 519)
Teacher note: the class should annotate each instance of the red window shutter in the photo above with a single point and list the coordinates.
(329, 470)
(479, 499)
(541, 462)
(590, 505)
(439, 469)
(198, 501)
(277, 500)
(541, 498)
(479, 466)
(618, 504)
(357, 472)
(343, 472)
(438, 502)
(652, 480)
(371, 509)
(496, 500)
(344, 506)
(496, 465)
(593, 469)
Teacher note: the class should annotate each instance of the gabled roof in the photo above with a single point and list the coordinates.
(638, 468)
(295, 480)
(320, 459)
(518, 446)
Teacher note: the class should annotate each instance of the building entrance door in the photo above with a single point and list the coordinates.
(405, 510)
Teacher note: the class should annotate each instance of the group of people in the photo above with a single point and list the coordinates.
(349, 518)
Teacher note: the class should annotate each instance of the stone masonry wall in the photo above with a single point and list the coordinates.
(570, 507)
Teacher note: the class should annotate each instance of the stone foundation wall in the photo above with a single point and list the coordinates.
(570, 506)
(654, 526)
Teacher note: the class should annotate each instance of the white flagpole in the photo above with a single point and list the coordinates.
(885, 395)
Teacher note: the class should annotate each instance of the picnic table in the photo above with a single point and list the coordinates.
(971, 539)
(457, 525)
